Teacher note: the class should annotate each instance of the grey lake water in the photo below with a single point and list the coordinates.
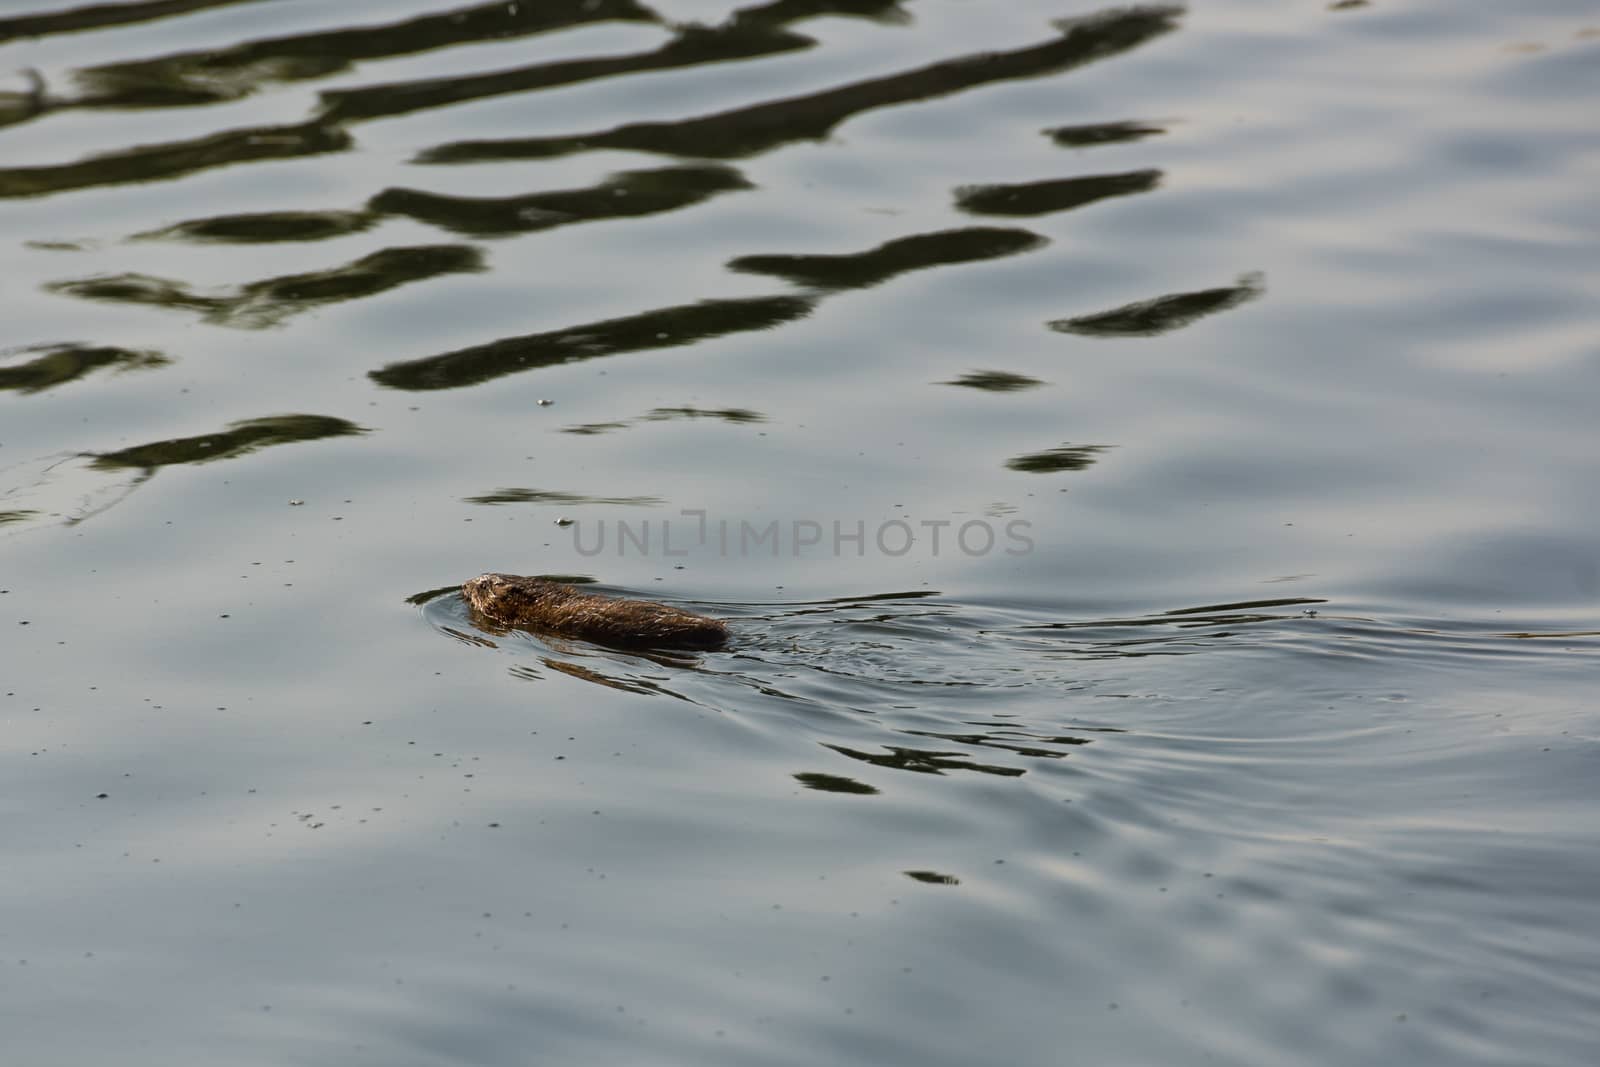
(1148, 458)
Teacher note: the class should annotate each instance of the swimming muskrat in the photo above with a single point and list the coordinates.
(543, 606)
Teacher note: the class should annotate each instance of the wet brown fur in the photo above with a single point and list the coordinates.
(539, 605)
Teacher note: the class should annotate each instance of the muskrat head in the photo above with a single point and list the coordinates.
(493, 594)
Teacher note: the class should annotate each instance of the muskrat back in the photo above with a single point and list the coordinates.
(520, 602)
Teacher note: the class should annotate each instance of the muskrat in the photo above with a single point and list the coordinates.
(540, 605)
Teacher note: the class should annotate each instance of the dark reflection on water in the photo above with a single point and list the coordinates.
(643, 687)
(624, 195)
(266, 227)
(749, 130)
(18, 107)
(872, 598)
(1054, 460)
(100, 16)
(834, 783)
(735, 416)
(1102, 133)
(419, 599)
(258, 305)
(1550, 635)
(1014, 740)
(556, 496)
(1064, 194)
(925, 761)
(783, 12)
(75, 486)
(1243, 605)
(214, 76)
(161, 162)
(240, 438)
(476, 640)
(1102, 638)
(1308, 632)
(1443, 642)
(711, 318)
(137, 289)
(693, 45)
(592, 429)
(665, 328)
(738, 416)
(862, 270)
(995, 381)
(57, 364)
(1147, 318)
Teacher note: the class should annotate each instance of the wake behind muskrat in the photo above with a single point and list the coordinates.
(540, 605)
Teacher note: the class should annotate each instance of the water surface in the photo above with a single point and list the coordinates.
(1146, 455)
